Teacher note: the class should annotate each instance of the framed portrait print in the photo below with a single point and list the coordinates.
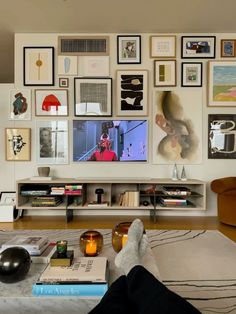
(93, 96)
(51, 102)
(63, 82)
(191, 75)
(132, 95)
(52, 142)
(129, 49)
(162, 46)
(18, 144)
(94, 66)
(164, 73)
(38, 66)
(222, 83)
(20, 104)
(227, 48)
(198, 47)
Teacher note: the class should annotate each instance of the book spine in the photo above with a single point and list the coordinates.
(85, 290)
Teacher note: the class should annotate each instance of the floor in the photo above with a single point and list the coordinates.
(108, 222)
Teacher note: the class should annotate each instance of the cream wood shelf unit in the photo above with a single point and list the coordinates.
(126, 194)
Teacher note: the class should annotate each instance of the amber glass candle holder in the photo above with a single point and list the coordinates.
(119, 235)
(91, 243)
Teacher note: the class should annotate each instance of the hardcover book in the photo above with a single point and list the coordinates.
(45, 257)
(28, 242)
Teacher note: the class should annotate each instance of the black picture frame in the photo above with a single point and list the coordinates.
(129, 49)
(191, 74)
(198, 47)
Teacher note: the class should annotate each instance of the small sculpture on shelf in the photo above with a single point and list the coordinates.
(183, 175)
(175, 175)
(99, 193)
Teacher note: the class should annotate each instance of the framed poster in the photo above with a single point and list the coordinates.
(20, 104)
(132, 92)
(164, 73)
(222, 83)
(51, 102)
(191, 75)
(198, 47)
(52, 142)
(94, 66)
(129, 49)
(18, 144)
(162, 46)
(227, 48)
(38, 66)
(93, 96)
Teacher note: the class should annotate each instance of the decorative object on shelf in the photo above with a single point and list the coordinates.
(175, 175)
(62, 247)
(91, 243)
(14, 264)
(18, 144)
(43, 171)
(119, 235)
(183, 176)
(99, 193)
(129, 49)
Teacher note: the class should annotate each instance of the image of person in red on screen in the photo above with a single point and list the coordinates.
(104, 151)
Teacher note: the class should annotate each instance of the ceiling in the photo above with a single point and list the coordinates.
(109, 16)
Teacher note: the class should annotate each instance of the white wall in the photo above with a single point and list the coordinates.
(207, 170)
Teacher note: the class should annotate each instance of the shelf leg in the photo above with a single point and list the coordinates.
(69, 215)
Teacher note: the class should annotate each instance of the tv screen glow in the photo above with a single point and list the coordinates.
(109, 140)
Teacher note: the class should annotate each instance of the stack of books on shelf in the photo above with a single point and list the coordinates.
(129, 199)
(87, 277)
(173, 201)
(46, 201)
(57, 190)
(176, 190)
(73, 189)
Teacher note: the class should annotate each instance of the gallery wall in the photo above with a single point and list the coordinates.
(203, 169)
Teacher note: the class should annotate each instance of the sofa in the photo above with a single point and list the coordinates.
(226, 199)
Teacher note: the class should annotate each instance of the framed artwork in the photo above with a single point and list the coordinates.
(63, 82)
(191, 75)
(94, 66)
(51, 102)
(67, 65)
(8, 198)
(38, 66)
(18, 144)
(52, 142)
(93, 96)
(164, 73)
(222, 83)
(198, 47)
(221, 136)
(162, 46)
(20, 104)
(227, 48)
(177, 132)
(132, 92)
(129, 49)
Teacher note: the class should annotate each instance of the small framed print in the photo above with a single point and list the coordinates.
(191, 75)
(93, 96)
(51, 102)
(201, 47)
(63, 82)
(18, 144)
(67, 65)
(129, 49)
(8, 198)
(164, 73)
(227, 48)
(20, 104)
(162, 46)
(38, 66)
(94, 66)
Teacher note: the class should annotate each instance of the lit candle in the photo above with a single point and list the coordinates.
(91, 247)
(124, 239)
(62, 247)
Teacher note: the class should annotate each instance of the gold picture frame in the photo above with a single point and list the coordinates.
(18, 144)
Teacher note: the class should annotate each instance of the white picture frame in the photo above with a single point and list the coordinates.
(94, 66)
(20, 104)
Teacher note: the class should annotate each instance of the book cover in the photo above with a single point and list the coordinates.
(45, 256)
(30, 242)
(32, 251)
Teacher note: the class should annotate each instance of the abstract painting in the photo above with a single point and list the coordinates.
(177, 132)
(198, 47)
(51, 102)
(20, 104)
(164, 73)
(132, 99)
(18, 144)
(67, 65)
(222, 83)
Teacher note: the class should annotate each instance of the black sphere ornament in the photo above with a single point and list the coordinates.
(14, 264)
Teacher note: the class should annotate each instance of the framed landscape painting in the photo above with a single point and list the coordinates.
(20, 104)
(51, 102)
(18, 144)
(222, 83)
(132, 94)
(198, 47)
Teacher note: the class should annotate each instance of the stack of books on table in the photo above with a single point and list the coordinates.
(46, 201)
(73, 189)
(173, 202)
(87, 277)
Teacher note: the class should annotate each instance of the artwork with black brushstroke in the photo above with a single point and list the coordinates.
(132, 92)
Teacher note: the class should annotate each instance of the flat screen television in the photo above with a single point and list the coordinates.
(110, 140)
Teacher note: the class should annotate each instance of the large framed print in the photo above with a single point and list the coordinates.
(191, 75)
(132, 93)
(20, 104)
(38, 66)
(93, 96)
(198, 47)
(164, 73)
(222, 83)
(51, 102)
(52, 142)
(129, 49)
(162, 46)
(18, 144)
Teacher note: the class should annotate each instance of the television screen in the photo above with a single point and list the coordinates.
(110, 140)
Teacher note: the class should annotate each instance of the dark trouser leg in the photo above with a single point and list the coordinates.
(150, 296)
